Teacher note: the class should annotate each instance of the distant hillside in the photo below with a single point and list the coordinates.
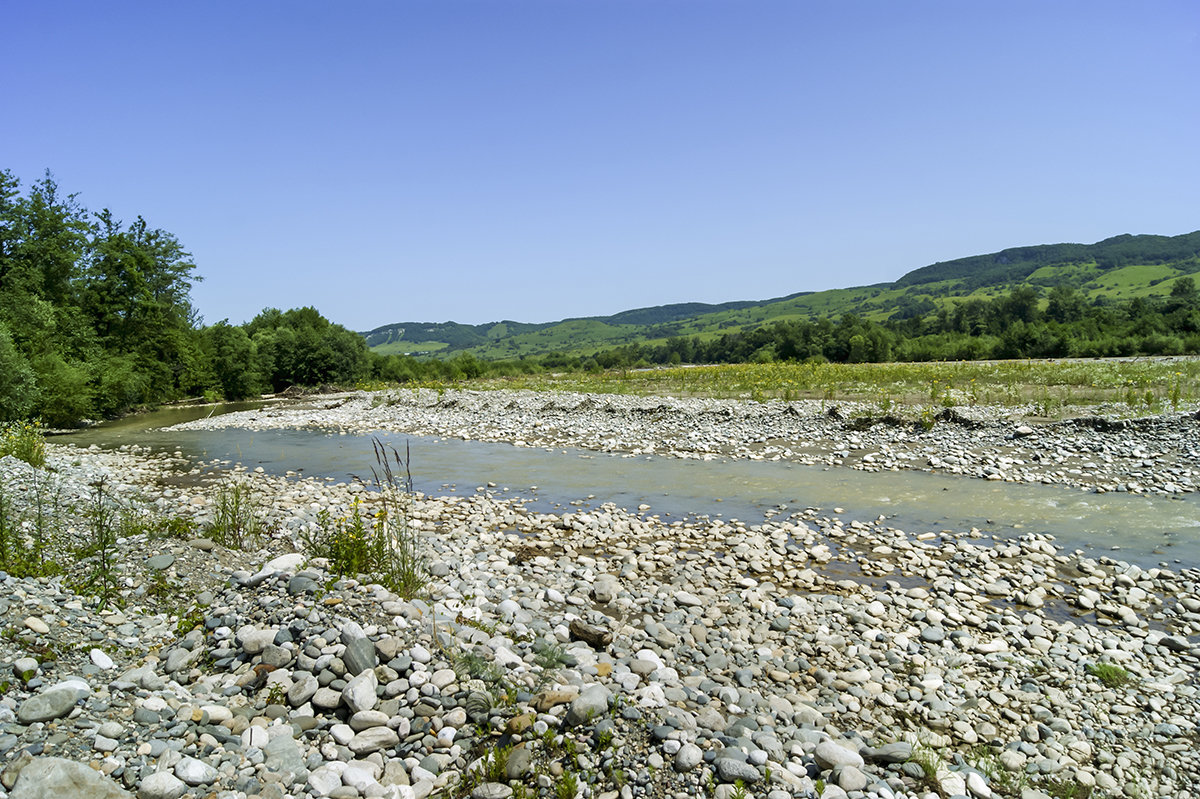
(1117, 268)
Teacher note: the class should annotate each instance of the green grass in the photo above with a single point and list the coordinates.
(1112, 675)
(1054, 387)
(410, 347)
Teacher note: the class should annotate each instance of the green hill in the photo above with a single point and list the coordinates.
(1118, 268)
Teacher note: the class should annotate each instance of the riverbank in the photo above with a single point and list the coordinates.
(1157, 454)
(617, 651)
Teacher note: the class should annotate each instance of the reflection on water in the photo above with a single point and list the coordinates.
(1147, 530)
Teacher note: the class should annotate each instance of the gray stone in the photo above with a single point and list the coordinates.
(160, 562)
(359, 656)
(591, 704)
(730, 770)
(518, 763)
(303, 690)
(897, 752)
(281, 754)
(301, 584)
(180, 658)
(56, 778)
(195, 772)
(688, 757)
(829, 754)
(933, 635)
(54, 702)
(161, 785)
(277, 656)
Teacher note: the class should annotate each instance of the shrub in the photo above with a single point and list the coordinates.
(24, 441)
(383, 545)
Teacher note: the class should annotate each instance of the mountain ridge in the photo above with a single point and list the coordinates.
(1116, 268)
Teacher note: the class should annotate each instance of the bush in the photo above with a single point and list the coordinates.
(24, 441)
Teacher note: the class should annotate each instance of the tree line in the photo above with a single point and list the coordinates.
(1016, 325)
(96, 319)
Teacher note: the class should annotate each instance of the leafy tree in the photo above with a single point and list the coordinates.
(18, 388)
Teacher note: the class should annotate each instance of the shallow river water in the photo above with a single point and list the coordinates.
(1146, 530)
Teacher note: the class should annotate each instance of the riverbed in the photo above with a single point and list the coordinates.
(333, 438)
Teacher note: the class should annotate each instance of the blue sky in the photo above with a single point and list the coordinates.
(539, 159)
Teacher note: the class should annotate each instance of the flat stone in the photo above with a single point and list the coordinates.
(492, 790)
(283, 755)
(101, 660)
(829, 754)
(160, 562)
(37, 625)
(897, 752)
(58, 778)
(372, 740)
(359, 656)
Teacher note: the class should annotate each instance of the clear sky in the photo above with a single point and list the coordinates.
(539, 159)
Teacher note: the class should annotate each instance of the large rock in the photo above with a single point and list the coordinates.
(359, 693)
(828, 755)
(372, 740)
(54, 702)
(731, 770)
(359, 656)
(161, 785)
(56, 778)
(591, 704)
(282, 754)
(195, 772)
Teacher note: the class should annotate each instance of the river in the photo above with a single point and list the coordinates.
(1138, 528)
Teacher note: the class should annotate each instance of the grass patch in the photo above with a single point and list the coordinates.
(1045, 386)
(1112, 675)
